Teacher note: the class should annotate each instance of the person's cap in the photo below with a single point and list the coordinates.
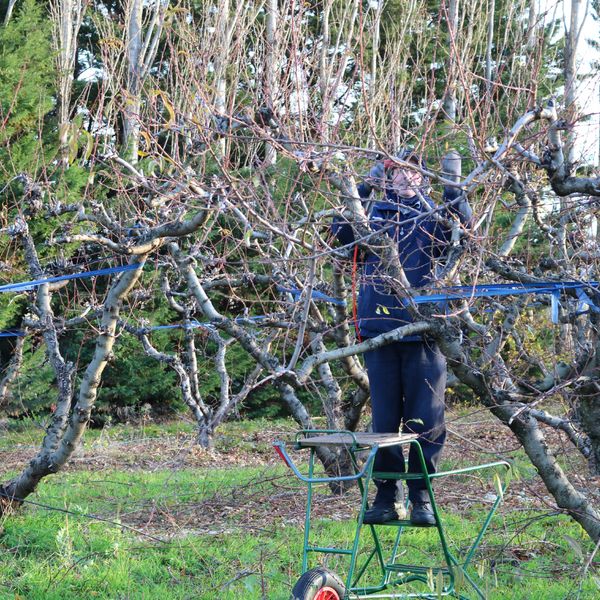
(407, 155)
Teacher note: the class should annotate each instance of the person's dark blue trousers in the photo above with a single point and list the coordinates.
(408, 381)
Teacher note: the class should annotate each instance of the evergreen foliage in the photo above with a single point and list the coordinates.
(27, 79)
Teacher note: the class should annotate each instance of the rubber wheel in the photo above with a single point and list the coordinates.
(319, 584)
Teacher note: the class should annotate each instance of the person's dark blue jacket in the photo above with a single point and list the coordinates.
(421, 239)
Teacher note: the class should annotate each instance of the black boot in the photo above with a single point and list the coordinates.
(380, 513)
(383, 509)
(422, 514)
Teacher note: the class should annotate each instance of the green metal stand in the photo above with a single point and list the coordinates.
(393, 574)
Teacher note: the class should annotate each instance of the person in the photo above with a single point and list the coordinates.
(408, 377)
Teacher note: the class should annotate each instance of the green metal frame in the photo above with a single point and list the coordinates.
(393, 574)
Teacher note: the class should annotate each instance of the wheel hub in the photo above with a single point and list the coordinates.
(327, 593)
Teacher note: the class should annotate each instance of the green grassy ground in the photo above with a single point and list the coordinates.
(142, 513)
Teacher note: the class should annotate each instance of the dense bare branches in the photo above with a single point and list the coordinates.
(225, 141)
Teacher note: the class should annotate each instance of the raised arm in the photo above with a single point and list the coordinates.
(373, 181)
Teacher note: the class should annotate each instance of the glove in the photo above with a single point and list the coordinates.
(452, 166)
(464, 211)
(376, 178)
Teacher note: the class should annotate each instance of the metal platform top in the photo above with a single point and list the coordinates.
(361, 439)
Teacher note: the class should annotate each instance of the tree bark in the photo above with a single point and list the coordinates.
(67, 427)
(133, 84)
(488, 51)
(67, 16)
(270, 76)
(588, 396)
(449, 100)
(527, 431)
(12, 370)
(9, 11)
(572, 35)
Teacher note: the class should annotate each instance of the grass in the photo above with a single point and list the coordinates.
(181, 523)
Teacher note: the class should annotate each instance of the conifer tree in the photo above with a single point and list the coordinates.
(27, 77)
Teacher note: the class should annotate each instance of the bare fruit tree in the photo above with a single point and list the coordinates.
(226, 141)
